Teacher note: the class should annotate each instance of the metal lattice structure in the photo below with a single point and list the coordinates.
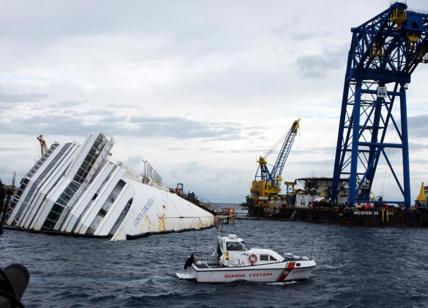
(263, 173)
(384, 53)
(266, 184)
(285, 150)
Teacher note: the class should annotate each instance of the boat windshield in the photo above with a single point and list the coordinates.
(235, 246)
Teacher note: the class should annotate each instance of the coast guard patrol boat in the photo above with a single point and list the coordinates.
(233, 261)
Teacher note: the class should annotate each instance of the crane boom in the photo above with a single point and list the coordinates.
(285, 150)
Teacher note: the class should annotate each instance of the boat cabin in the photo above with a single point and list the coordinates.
(233, 251)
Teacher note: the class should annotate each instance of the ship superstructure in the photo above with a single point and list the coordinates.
(76, 189)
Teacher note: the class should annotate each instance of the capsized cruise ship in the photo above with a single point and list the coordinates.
(76, 189)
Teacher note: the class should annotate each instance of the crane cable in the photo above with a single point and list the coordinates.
(276, 145)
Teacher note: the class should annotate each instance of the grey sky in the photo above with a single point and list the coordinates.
(199, 88)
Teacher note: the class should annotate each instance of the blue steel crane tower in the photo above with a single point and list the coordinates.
(278, 167)
(384, 53)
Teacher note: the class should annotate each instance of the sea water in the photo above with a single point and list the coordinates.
(356, 267)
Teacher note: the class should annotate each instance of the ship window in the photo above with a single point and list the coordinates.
(107, 204)
(272, 258)
(121, 217)
(234, 246)
(102, 212)
(244, 245)
(264, 257)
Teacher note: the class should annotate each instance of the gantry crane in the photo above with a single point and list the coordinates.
(384, 53)
(267, 184)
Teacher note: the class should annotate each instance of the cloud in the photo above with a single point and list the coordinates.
(317, 163)
(11, 149)
(81, 124)
(330, 150)
(420, 161)
(8, 96)
(182, 128)
(66, 104)
(317, 66)
(418, 125)
(417, 146)
(215, 183)
(183, 82)
(134, 161)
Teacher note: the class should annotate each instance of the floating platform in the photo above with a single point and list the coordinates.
(396, 217)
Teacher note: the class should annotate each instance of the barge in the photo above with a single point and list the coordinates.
(311, 203)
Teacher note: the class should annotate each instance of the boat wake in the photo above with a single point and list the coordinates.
(282, 283)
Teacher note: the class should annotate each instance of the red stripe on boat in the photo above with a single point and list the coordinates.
(283, 275)
(286, 271)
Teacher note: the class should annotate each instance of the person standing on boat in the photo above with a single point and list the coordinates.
(190, 260)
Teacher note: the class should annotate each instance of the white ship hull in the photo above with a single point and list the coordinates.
(76, 189)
